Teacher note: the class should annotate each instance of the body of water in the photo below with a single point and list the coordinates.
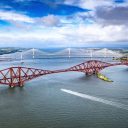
(43, 103)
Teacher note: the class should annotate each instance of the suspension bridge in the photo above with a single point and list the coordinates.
(17, 76)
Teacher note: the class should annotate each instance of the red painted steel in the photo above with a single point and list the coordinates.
(16, 76)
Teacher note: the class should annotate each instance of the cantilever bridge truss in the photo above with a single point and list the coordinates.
(17, 76)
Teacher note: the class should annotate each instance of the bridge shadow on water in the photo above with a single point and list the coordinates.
(7, 91)
(87, 78)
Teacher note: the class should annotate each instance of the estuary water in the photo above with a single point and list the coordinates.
(65, 100)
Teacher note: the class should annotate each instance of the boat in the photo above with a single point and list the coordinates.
(102, 77)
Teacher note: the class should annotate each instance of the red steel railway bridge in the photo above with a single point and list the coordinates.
(17, 76)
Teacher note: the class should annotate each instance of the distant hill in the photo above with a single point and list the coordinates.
(9, 50)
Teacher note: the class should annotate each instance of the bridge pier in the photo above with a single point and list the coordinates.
(21, 84)
(94, 72)
(11, 85)
(90, 73)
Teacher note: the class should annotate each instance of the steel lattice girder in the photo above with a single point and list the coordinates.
(14, 76)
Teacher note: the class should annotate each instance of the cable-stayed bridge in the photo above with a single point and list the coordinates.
(68, 52)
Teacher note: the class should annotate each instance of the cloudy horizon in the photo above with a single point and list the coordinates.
(63, 23)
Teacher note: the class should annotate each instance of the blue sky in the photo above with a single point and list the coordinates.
(63, 23)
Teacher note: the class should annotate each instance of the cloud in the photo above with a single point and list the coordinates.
(49, 20)
(113, 15)
(24, 21)
(12, 16)
(96, 32)
(65, 23)
(106, 12)
(68, 35)
(89, 4)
